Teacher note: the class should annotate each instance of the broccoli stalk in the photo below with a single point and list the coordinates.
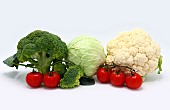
(39, 49)
(44, 62)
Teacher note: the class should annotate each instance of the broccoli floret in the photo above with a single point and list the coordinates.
(71, 77)
(60, 68)
(40, 48)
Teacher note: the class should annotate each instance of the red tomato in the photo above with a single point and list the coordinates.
(103, 75)
(117, 79)
(34, 79)
(51, 79)
(133, 81)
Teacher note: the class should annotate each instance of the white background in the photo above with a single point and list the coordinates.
(103, 19)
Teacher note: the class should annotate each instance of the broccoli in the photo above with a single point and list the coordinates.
(60, 68)
(12, 61)
(72, 76)
(40, 49)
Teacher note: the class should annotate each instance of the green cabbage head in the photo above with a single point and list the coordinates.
(87, 52)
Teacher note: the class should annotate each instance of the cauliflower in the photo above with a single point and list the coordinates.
(135, 49)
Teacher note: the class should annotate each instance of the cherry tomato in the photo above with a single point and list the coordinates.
(34, 79)
(51, 79)
(103, 75)
(117, 79)
(133, 81)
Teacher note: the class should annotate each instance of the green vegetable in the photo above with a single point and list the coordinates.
(40, 49)
(160, 65)
(144, 77)
(87, 52)
(86, 81)
(60, 68)
(71, 77)
(12, 61)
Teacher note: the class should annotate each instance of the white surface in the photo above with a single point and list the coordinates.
(103, 19)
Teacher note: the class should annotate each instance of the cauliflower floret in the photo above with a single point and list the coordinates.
(135, 49)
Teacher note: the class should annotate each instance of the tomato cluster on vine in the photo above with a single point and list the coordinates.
(117, 77)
